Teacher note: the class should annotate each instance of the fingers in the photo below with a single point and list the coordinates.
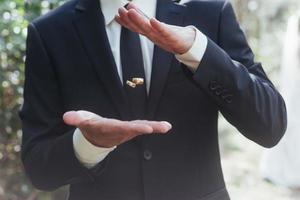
(140, 21)
(138, 128)
(134, 20)
(130, 128)
(158, 127)
(160, 27)
(114, 126)
(159, 33)
(123, 19)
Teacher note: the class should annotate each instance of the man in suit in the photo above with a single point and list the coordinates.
(122, 106)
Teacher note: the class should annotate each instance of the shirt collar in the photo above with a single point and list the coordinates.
(110, 8)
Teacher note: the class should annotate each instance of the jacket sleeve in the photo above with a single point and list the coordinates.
(239, 86)
(47, 147)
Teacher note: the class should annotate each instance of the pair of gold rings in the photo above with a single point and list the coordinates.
(134, 82)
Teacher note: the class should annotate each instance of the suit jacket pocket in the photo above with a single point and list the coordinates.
(218, 195)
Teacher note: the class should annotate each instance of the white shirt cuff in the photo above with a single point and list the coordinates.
(194, 55)
(88, 154)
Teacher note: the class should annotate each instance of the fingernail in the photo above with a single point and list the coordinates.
(123, 9)
(68, 117)
(167, 125)
(129, 5)
(68, 113)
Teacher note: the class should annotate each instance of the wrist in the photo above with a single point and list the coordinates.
(87, 153)
(188, 40)
(194, 55)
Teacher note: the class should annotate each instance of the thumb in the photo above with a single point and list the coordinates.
(74, 118)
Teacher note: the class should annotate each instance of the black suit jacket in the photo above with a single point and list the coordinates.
(70, 66)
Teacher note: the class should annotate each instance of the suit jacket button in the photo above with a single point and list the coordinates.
(147, 155)
(228, 100)
(213, 85)
(218, 92)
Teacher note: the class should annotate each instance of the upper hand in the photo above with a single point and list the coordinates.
(104, 132)
(174, 39)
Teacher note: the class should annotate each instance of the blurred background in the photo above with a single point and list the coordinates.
(264, 22)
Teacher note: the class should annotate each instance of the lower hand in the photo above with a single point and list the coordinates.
(174, 39)
(104, 132)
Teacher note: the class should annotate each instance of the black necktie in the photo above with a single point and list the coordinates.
(133, 67)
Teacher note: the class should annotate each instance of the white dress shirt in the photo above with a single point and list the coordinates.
(88, 154)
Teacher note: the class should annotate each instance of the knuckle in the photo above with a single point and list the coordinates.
(145, 27)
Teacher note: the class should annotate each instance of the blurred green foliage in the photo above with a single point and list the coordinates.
(14, 17)
(258, 21)
(13, 185)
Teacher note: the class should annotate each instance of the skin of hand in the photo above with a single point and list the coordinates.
(174, 39)
(105, 132)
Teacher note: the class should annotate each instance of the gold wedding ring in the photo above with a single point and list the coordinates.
(138, 81)
(131, 84)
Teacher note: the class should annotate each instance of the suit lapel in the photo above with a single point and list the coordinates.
(171, 13)
(89, 22)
